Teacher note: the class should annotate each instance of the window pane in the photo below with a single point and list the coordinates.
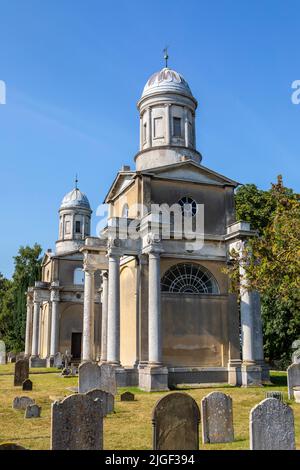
(176, 127)
(77, 226)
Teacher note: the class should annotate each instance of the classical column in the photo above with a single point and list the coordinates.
(186, 127)
(168, 131)
(149, 127)
(88, 315)
(113, 321)
(104, 316)
(28, 333)
(154, 314)
(54, 296)
(35, 328)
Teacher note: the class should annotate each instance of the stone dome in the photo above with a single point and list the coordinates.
(166, 80)
(76, 199)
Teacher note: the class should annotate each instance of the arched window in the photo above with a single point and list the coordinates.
(78, 276)
(188, 206)
(189, 278)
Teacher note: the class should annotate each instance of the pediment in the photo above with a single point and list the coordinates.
(190, 171)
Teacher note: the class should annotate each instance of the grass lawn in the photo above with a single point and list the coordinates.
(130, 426)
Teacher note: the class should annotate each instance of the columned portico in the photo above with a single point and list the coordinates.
(113, 308)
(104, 316)
(88, 316)
(28, 333)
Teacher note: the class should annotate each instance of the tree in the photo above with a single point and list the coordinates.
(273, 262)
(13, 307)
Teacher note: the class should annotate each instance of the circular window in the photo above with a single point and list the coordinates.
(188, 206)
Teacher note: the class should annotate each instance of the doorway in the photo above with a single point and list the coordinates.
(76, 345)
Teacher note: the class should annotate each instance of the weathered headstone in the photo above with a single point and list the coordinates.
(272, 426)
(175, 422)
(21, 371)
(77, 424)
(2, 353)
(27, 385)
(20, 403)
(127, 396)
(92, 376)
(217, 418)
(32, 411)
(11, 446)
(293, 379)
(107, 400)
(58, 360)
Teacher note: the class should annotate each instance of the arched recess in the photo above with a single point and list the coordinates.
(189, 278)
(128, 325)
(71, 318)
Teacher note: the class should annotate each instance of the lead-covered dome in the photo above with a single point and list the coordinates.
(75, 198)
(166, 80)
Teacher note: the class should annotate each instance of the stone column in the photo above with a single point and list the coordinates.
(154, 314)
(35, 328)
(54, 296)
(149, 127)
(28, 333)
(186, 127)
(168, 132)
(113, 322)
(251, 372)
(88, 316)
(104, 316)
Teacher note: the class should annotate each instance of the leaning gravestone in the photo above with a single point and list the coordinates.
(175, 422)
(127, 396)
(272, 426)
(2, 353)
(27, 385)
(293, 379)
(58, 360)
(92, 376)
(32, 411)
(217, 418)
(77, 424)
(21, 403)
(21, 371)
(107, 400)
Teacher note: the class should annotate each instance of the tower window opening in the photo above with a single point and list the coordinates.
(177, 127)
(77, 226)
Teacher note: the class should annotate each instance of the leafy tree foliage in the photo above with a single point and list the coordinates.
(272, 262)
(13, 296)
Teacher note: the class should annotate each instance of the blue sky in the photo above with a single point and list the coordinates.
(74, 70)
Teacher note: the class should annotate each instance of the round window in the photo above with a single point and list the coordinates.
(188, 206)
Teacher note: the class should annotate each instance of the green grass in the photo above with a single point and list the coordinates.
(130, 426)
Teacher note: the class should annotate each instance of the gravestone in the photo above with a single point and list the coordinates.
(175, 421)
(127, 396)
(11, 446)
(2, 353)
(21, 371)
(217, 418)
(275, 394)
(293, 379)
(11, 357)
(107, 400)
(58, 360)
(21, 403)
(272, 426)
(32, 411)
(77, 424)
(27, 385)
(92, 376)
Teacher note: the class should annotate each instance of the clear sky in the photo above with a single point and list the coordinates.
(74, 70)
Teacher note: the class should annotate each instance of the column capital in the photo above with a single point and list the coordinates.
(54, 295)
(154, 245)
(114, 248)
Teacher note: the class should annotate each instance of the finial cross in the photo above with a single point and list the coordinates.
(166, 55)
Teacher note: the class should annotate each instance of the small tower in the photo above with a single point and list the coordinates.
(167, 121)
(74, 221)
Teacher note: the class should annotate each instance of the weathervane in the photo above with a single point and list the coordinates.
(76, 181)
(166, 56)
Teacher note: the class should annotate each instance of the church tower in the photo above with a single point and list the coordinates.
(74, 221)
(167, 121)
